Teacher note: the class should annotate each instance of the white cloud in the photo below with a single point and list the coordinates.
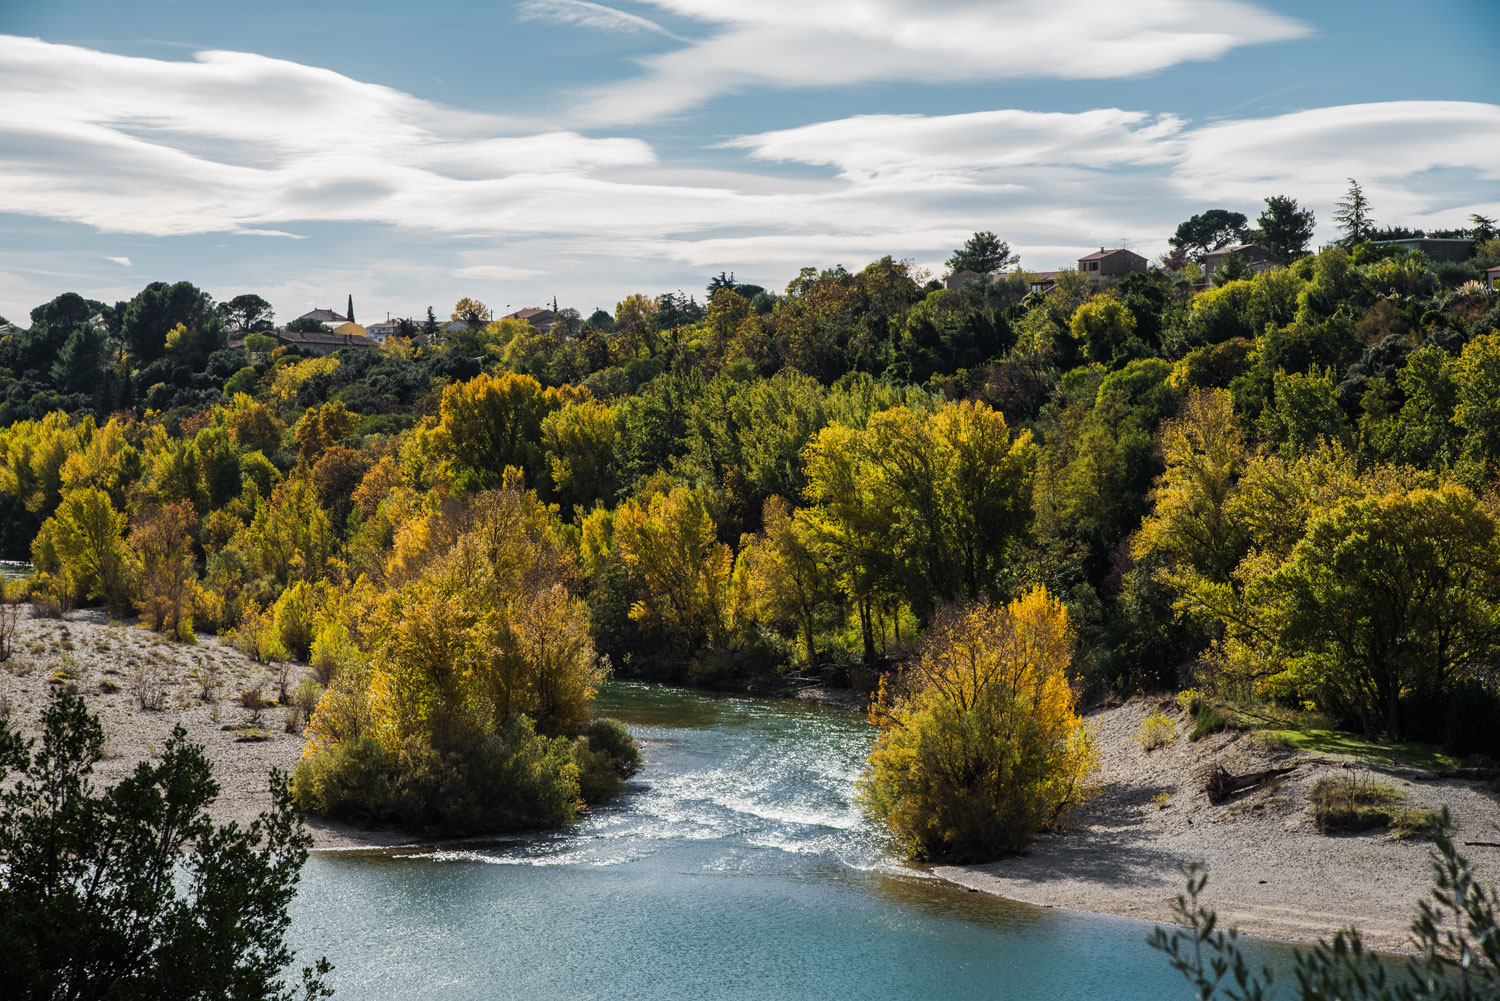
(793, 43)
(590, 15)
(123, 262)
(383, 191)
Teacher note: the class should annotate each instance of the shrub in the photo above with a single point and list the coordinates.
(1353, 803)
(180, 907)
(514, 778)
(981, 747)
(606, 755)
(1419, 823)
(1157, 730)
(1190, 701)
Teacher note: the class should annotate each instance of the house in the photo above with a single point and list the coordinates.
(382, 331)
(1258, 258)
(1115, 263)
(1493, 275)
(326, 316)
(321, 343)
(1042, 281)
(542, 319)
(961, 278)
(1437, 250)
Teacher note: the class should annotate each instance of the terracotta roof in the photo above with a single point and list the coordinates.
(318, 338)
(324, 316)
(1101, 253)
(1493, 271)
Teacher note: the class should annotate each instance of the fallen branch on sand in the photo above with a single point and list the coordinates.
(1222, 784)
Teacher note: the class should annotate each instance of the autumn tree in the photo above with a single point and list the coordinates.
(581, 441)
(491, 422)
(162, 543)
(1103, 325)
(787, 584)
(83, 543)
(472, 311)
(669, 546)
(321, 428)
(980, 743)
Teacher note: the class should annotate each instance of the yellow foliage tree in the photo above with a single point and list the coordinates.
(980, 743)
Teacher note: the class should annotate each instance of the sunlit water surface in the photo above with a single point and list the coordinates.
(737, 866)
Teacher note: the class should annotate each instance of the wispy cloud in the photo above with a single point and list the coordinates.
(123, 262)
(590, 15)
(793, 43)
(240, 144)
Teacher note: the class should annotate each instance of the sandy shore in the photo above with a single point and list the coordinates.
(1270, 873)
(106, 659)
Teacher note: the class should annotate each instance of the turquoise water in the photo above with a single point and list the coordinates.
(735, 867)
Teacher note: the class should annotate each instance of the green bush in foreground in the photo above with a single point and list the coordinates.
(134, 893)
(1454, 936)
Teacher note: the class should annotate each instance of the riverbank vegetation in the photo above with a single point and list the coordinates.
(1275, 485)
(980, 744)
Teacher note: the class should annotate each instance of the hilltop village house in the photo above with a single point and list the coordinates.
(1258, 258)
(1103, 264)
(1493, 274)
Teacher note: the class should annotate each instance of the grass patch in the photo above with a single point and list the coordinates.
(108, 687)
(248, 732)
(1208, 720)
(1353, 804)
(1353, 747)
(1419, 823)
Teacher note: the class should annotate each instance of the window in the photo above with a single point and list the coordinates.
(1093, 265)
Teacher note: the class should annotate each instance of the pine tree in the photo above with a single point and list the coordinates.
(1352, 215)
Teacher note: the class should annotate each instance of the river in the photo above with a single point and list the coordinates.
(737, 866)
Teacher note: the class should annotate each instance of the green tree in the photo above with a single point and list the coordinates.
(1283, 228)
(248, 312)
(1232, 269)
(1387, 596)
(158, 308)
(1352, 215)
(983, 253)
(83, 542)
(1209, 231)
(1104, 326)
(134, 892)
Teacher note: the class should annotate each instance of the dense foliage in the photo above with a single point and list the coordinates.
(1276, 485)
(980, 746)
(133, 892)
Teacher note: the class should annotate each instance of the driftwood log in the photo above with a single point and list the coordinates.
(1222, 783)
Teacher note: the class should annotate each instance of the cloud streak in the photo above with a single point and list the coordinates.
(239, 144)
(795, 44)
(590, 15)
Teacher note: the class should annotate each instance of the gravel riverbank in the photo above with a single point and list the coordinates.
(1270, 872)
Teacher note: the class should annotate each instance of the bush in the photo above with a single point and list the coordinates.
(1353, 803)
(606, 756)
(981, 747)
(1157, 730)
(512, 779)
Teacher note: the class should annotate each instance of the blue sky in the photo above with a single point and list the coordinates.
(411, 154)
